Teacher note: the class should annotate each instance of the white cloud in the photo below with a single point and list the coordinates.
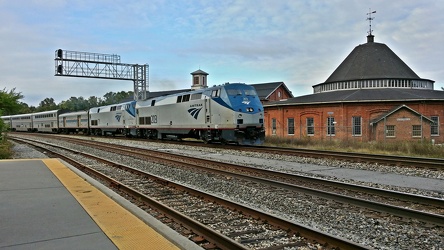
(298, 42)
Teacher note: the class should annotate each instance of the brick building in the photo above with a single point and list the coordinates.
(272, 91)
(372, 96)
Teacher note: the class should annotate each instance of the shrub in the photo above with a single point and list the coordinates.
(5, 148)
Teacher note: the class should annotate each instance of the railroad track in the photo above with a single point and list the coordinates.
(417, 162)
(395, 160)
(406, 161)
(431, 212)
(239, 227)
(400, 204)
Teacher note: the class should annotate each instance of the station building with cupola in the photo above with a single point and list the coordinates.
(371, 96)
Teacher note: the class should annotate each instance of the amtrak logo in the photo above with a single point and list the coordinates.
(194, 112)
(246, 101)
(118, 117)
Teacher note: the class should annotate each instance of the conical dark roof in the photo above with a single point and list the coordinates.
(372, 61)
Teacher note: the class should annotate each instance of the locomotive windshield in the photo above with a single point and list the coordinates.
(234, 92)
(250, 91)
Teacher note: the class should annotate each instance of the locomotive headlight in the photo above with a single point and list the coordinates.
(239, 115)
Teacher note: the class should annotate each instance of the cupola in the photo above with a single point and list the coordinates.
(199, 79)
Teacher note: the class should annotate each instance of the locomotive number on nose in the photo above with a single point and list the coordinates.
(154, 119)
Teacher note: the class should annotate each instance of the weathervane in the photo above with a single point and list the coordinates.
(370, 18)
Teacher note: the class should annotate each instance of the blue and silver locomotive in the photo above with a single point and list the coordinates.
(230, 113)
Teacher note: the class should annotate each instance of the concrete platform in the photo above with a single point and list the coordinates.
(46, 205)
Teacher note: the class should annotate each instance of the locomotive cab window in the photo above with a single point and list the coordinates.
(215, 93)
(186, 98)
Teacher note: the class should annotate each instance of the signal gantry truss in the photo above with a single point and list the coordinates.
(103, 66)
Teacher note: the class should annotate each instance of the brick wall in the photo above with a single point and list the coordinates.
(275, 95)
(343, 114)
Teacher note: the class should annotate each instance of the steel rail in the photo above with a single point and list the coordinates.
(307, 232)
(417, 162)
(283, 175)
(195, 226)
(395, 210)
(422, 162)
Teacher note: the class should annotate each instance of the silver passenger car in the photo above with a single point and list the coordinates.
(46, 121)
(74, 122)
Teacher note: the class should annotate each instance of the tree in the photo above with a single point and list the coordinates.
(47, 104)
(9, 102)
(25, 109)
(74, 104)
(114, 98)
(93, 101)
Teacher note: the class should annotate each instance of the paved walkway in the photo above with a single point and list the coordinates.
(45, 205)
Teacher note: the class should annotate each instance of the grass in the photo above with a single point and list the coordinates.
(5, 148)
(405, 148)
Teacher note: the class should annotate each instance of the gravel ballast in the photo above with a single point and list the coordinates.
(381, 232)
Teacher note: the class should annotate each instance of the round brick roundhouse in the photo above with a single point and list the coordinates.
(371, 96)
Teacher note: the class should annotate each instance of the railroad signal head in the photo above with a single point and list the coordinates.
(60, 70)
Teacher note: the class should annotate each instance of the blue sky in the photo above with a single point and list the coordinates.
(298, 42)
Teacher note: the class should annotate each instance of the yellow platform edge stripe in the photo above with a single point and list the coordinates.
(124, 229)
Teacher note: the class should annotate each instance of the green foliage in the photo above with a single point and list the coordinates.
(410, 148)
(75, 104)
(3, 127)
(9, 102)
(407, 148)
(5, 145)
(112, 98)
(78, 103)
(46, 105)
(5, 149)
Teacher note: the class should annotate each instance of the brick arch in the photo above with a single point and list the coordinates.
(374, 113)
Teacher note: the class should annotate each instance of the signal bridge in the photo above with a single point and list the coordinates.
(103, 66)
